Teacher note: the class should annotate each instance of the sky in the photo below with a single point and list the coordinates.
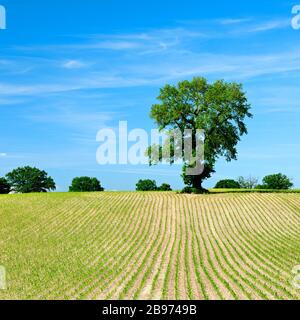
(70, 68)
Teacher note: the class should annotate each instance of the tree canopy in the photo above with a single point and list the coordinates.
(146, 185)
(28, 179)
(165, 187)
(150, 185)
(85, 184)
(220, 109)
(277, 181)
(227, 184)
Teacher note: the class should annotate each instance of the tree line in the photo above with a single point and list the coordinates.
(277, 181)
(30, 179)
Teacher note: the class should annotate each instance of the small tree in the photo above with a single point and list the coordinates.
(146, 185)
(277, 181)
(248, 183)
(227, 184)
(4, 186)
(165, 187)
(85, 184)
(28, 179)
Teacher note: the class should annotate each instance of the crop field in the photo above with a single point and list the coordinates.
(130, 245)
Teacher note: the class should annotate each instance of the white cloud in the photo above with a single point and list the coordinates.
(2, 155)
(148, 40)
(115, 45)
(73, 64)
(270, 25)
(231, 21)
(35, 89)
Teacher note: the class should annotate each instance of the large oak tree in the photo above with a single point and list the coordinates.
(220, 109)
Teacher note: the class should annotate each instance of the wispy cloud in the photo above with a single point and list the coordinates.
(35, 89)
(73, 64)
(148, 58)
(269, 25)
(150, 40)
(160, 68)
(233, 21)
(237, 26)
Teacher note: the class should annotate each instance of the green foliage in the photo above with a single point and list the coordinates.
(187, 189)
(4, 186)
(248, 183)
(85, 184)
(227, 184)
(261, 187)
(28, 179)
(150, 185)
(190, 190)
(220, 109)
(146, 185)
(277, 181)
(165, 187)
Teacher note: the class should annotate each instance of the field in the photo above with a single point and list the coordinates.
(150, 245)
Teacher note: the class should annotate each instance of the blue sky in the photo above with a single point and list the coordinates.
(70, 68)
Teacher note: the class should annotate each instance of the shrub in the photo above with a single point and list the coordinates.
(190, 190)
(165, 187)
(277, 182)
(261, 187)
(146, 185)
(28, 179)
(85, 184)
(4, 186)
(187, 190)
(227, 184)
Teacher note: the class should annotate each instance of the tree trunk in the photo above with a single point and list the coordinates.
(197, 182)
(197, 185)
